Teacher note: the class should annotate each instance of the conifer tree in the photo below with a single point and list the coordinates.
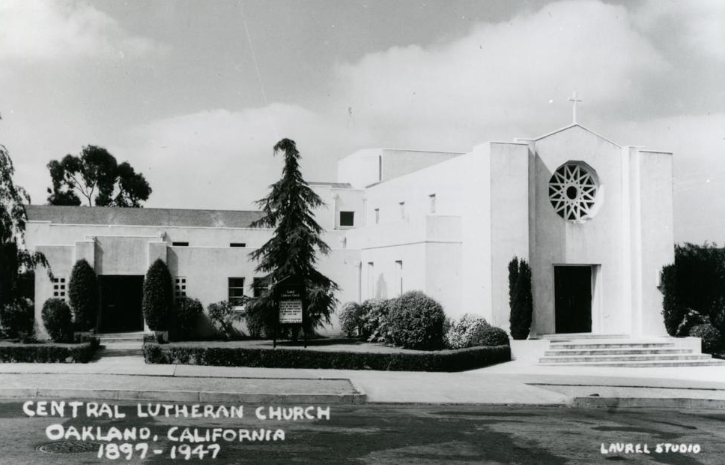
(14, 255)
(292, 250)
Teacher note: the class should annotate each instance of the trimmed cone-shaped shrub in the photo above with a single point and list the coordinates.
(188, 314)
(83, 296)
(672, 311)
(711, 338)
(157, 296)
(521, 299)
(57, 320)
(416, 322)
(18, 319)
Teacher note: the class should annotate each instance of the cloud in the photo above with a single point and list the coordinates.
(500, 81)
(42, 30)
(504, 75)
(222, 159)
(694, 27)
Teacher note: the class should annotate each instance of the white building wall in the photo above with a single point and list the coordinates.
(656, 236)
(600, 241)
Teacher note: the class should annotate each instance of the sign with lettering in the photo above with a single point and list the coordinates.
(290, 306)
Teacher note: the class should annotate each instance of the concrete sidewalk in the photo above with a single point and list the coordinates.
(513, 383)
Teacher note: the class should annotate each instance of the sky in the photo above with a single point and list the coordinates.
(195, 94)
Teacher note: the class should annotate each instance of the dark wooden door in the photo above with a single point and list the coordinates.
(121, 298)
(573, 295)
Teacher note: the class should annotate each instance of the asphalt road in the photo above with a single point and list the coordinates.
(371, 434)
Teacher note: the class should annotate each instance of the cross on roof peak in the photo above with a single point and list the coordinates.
(574, 101)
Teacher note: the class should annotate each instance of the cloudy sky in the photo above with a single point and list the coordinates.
(194, 94)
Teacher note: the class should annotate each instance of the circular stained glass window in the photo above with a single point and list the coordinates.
(573, 192)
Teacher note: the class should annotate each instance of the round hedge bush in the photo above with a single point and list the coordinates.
(352, 319)
(18, 318)
(469, 331)
(187, 316)
(83, 295)
(416, 322)
(57, 320)
(493, 336)
(157, 296)
(711, 337)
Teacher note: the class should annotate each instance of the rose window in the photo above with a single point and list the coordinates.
(573, 192)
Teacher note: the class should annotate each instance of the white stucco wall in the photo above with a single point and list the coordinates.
(599, 241)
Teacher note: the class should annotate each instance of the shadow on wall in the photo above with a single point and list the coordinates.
(381, 288)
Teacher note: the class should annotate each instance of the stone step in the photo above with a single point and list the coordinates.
(581, 336)
(612, 345)
(616, 351)
(644, 364)
(623, 358)
(133, 338)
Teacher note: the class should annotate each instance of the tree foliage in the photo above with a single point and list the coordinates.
(158, 296)
(292, 250)
(695, 282)
(520, 298)
(83, 295)
(96, 176)
(14, 255)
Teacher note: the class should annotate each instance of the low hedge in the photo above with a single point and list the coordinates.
(444, 360)
(49, 352)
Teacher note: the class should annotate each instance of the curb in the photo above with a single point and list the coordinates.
(647, 402)
(355, 398)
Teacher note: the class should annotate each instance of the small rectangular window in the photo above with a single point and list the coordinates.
(180, 244)
(347, 219)
(399, 276)
(59, 288)
(371, 280)
(402, 209)
(238, 244)
(236, 292)
(180, 286)
(377, 215)
(432, 199)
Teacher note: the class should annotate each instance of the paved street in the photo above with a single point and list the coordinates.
(384, 434)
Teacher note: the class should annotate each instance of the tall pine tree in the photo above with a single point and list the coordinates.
(14, 255)
(291, 253)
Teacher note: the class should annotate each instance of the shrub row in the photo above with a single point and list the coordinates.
(49, 353)
(445, 360)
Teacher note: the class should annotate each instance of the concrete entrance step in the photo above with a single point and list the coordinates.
(650, 363)
(122, 337)
(623, 358)
(616, 351)
(610, 345)
(580, 336)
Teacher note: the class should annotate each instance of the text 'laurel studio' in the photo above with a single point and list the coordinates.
(104, 410)
(661, 448)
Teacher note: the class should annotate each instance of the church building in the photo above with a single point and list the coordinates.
(592, 218)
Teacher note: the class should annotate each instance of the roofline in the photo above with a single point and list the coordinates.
(571, 126)
(144, 208)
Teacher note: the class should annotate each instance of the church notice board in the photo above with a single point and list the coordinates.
(290, 305)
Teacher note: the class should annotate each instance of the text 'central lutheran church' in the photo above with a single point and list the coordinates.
(592, 218)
